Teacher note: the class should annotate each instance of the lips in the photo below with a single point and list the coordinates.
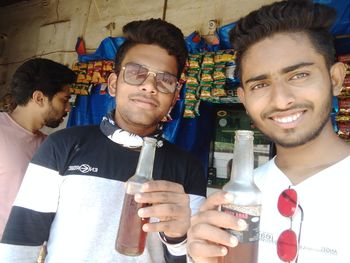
(144, 101)
(287, 120)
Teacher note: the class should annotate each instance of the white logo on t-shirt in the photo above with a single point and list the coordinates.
(84, 168)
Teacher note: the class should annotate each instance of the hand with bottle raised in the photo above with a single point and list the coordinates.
(206, 238)
(169, 203)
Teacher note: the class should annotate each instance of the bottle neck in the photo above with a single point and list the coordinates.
(243, 157)
(146, 159)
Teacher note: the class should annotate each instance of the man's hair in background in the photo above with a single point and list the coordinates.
(41, 74)
(290, 16)
(156, 32)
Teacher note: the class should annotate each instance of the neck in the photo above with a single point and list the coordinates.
(301, 162)
(25, 117)
(138, 129)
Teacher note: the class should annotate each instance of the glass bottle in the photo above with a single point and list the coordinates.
(131, 239)
(247, 200)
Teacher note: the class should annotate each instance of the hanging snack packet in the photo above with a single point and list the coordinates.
(223, 57)
(208, 60)
(194, 61)
(207, 75)
(218, 89)
(344, 105)
(192, 76)
(191, 94)
(191, 109)
(205, 90)
(219, 72)
(344, 128)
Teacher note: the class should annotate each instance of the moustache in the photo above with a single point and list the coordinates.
(144, 97)
(273, 111)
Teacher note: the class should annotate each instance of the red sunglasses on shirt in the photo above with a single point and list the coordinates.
(288, 241)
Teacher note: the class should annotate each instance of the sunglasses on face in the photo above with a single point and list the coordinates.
(288, 241)
(136, 74)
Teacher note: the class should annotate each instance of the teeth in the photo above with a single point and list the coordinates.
(288, 119)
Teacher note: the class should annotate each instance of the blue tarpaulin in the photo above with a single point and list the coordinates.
(341, 28)
(106, 50)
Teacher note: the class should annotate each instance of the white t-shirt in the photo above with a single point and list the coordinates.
(324, 199)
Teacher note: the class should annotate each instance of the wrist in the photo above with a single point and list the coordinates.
(172, 240)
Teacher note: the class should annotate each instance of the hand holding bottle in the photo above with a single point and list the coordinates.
(242, 201)
(169, 203)
(207, 240)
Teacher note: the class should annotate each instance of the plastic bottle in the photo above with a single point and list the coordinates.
(131, 239)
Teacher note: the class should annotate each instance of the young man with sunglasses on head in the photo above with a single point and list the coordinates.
(285, 60)
(73, 191)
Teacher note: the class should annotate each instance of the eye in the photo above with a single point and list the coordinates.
(258, 86)
(141, 74)
(168, 79)
(299, 76)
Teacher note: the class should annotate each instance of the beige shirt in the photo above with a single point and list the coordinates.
(17, 147)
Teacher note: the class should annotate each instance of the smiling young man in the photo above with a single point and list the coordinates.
(73, 190)
(40, 91)
(286, 65)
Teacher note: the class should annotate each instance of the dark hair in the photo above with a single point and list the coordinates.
(157, 32)
(293, 16)
(41, 74)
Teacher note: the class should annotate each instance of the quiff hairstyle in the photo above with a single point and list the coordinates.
(154, 32)
(293, 16)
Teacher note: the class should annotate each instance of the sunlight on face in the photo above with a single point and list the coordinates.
(287, 88)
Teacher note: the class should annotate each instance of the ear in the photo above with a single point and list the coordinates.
(240, 95)
(338, 71)
(39, 98)
(112, 84)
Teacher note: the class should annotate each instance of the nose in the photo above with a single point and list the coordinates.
(150, 83)
(282, 95)
(68, 107)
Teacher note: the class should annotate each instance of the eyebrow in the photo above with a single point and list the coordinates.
(257, 78)
(284, 70)
(294, 67)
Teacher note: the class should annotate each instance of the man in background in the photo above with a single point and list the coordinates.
(285, 59)
(40, 90)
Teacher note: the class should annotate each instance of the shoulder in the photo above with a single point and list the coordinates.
(5, 119)
(76, 132)
(269, 175)
(262, 171)
(63, 140)
(3, 114)
(61, 145)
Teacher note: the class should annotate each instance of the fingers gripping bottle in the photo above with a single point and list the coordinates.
(247, 200)
(131, 239)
